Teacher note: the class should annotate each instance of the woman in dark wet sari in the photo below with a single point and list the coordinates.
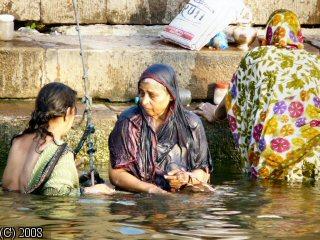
(158, 146)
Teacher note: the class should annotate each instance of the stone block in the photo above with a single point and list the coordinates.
(21, 70)
(21, 10)
(61, 11)
(164, 11)
(308, 11)
(114, 72)
(143, 11)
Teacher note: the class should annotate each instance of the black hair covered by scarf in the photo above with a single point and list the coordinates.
(176, 123)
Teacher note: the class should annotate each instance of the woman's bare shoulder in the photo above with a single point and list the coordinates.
(21, 143)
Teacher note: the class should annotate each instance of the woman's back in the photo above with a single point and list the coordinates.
(27, 162)
(21, 160)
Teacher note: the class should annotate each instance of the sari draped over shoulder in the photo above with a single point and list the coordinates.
(63, 180)
(274, 113)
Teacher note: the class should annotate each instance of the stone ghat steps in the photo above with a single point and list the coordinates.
(14, 117)
(115, 64)
(141, 11)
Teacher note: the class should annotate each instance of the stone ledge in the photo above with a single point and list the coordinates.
(110, 30)
(115, 64)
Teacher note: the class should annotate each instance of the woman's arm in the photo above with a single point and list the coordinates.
(123, 149)
(199, 176)
(212, 112)
(221, 111)
(124, 180)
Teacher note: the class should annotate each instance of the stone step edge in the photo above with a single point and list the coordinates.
(22, 109)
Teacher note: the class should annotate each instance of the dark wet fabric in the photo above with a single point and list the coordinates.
(180, 143)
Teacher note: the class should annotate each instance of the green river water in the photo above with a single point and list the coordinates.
(238, 209)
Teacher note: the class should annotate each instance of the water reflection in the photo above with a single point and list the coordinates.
(238, 209)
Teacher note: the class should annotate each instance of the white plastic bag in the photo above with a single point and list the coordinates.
(200, 20)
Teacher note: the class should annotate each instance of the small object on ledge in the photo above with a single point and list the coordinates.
(221, 89)
(219, 41)
(6, 27)
(244, 34)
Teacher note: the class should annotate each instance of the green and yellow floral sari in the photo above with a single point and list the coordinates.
(274, 113)
(274, 105)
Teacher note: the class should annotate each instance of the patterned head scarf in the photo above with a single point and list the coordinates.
(283, 30)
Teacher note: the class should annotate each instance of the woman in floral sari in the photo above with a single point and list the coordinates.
(273, 105)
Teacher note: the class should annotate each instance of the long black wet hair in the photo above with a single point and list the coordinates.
(52, 101)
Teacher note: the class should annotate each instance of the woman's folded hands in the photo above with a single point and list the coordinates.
(179, 179)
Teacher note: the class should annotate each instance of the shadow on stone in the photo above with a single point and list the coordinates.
(225, 156)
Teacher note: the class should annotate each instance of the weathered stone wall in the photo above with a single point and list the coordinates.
(307, 10)
(163, 11)
(115, 65)
(17, 77)
(61, 11)
(141, 11)
(225, 156)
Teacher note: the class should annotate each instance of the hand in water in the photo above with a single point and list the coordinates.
(199, 188)
(207, 110)
(156, 190)
(177, 178)
(99, 189)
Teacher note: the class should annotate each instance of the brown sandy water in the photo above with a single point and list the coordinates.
(238, 209)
